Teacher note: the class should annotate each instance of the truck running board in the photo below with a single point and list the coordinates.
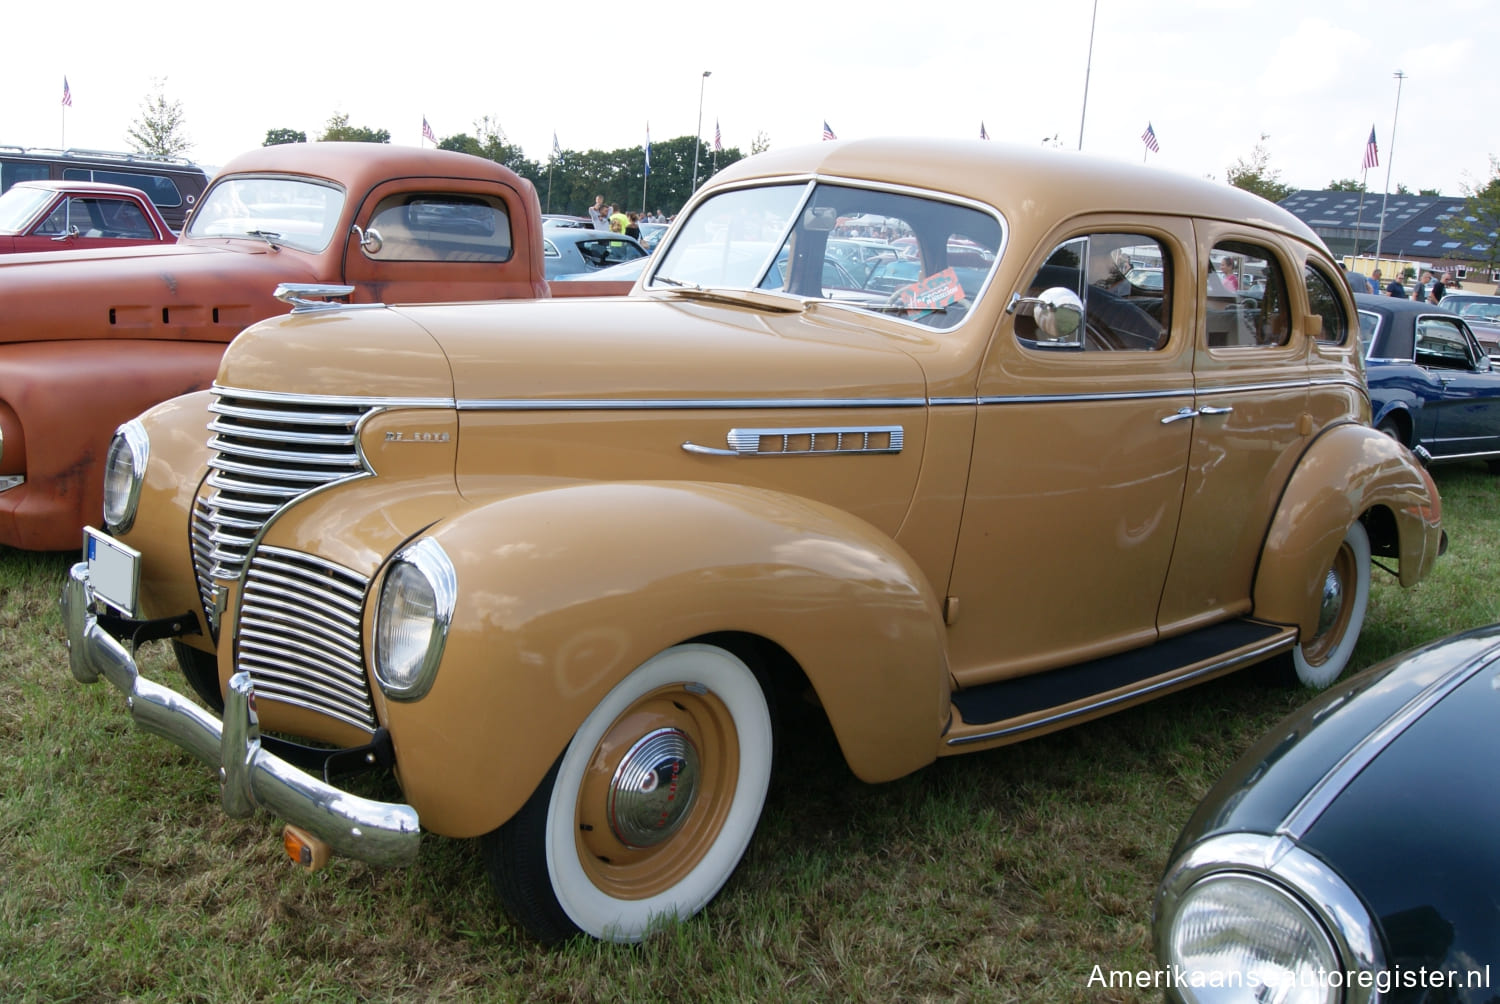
(1010, 710)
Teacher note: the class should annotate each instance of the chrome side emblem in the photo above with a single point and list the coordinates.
(806, 442)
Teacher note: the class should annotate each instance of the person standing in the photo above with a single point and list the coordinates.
(1394, 288)
(1377, 283)
(1438, 290)
(1419, 292)
(599, 213)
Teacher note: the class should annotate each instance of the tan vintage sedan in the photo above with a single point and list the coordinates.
(555, 563)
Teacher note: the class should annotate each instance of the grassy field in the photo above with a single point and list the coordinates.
(1001, 876)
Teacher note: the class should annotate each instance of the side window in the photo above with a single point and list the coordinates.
(1125, 283)
(57, 221)
(118, 218)
(10, 173)
(1247, 299)
(158, 187)
(441, 227)
(1441, 345)
(1323, 299)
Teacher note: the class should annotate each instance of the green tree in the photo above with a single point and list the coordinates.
(339, 129)
(280, 137)
(761, 143)
(1430, 191)
(160, 130)
(1255, 174)
(1345, 185)
(1478, 226)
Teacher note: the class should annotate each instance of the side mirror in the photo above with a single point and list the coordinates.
(370, 239)
(1058, 313)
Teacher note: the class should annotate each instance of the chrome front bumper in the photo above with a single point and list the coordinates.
(382, 833)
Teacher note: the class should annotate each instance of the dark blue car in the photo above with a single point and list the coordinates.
(1431, 384)
(1350, 856)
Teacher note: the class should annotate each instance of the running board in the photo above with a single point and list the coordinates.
(1010, 710)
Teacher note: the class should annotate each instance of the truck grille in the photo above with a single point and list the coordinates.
(299, 635)
(268, 451)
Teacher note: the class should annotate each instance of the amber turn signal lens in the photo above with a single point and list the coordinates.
(305, 850)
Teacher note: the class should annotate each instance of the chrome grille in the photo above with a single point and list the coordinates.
(299, 635)
(267, 451)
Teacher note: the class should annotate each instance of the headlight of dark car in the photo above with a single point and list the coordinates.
(124, 469)
(1248, 918)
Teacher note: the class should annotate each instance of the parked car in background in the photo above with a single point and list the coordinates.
(1350, 854)
(92, 338)
(651, 234)
(571, 251)
(67, 215)
(173, 184)
(558, 221)
(1482, 314)
(557, 563)
(1432, 387)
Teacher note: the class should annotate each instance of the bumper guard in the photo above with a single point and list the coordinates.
(381, 833)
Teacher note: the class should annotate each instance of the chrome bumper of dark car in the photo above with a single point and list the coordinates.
(382, 833)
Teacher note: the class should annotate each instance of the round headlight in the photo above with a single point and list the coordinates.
(412, 618)
(124, 469)
(1237, 938)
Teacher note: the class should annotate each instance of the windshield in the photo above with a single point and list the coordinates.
(295, 212)
(19, 205)
(917, 258)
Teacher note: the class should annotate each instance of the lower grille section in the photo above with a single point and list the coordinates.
(299, 635)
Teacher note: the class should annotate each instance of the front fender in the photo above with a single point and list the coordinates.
(1348, 472)
(563, 592)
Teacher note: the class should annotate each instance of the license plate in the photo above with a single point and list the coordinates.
(114, 570)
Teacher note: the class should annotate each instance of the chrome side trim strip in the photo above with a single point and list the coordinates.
(686, 404)
(1123, 395)
(846, 441)
(1316, 801)
(341, 400)
(1251, 655)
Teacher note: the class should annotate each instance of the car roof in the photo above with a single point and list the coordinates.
(361, 166)
(1057, 184)
(1394, 304)
(102, 187)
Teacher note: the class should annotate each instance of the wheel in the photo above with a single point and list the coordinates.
(650, 807)
(202, 672)
(1346, 592)
(1391, 427)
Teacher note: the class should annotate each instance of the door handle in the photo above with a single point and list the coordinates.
(1179, 415)
(1209, 410)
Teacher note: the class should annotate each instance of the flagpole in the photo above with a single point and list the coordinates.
(1087, 70)
(1390, 158)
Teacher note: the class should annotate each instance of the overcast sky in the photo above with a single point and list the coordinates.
(1210, 77)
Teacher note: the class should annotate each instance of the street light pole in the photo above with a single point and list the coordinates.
(698, 138)
(1390, 157)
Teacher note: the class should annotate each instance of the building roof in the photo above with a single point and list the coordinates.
(1413, 224)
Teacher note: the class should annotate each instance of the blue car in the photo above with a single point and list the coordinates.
(1432, 386)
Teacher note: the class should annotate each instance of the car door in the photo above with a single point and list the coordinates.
(1249, 419)
(1077, 469)
(1464, 392)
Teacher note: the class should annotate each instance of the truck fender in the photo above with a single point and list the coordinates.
(1346, 473)
(562, 592)
(53, 390)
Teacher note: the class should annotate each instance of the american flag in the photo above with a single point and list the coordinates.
(67, 93)
(1372, 154)
(983, 132)
(1149, 138)
(718, 138)
(427, 132)
(828, 130)
(556, 150)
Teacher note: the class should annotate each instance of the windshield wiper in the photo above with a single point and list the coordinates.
(265, 235)
(678, 283)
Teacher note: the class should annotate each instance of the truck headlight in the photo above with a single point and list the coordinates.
(412, 618)
(1237, 937)
(124, 470)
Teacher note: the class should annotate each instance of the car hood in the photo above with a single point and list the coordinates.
(186, 291)
(627, 352)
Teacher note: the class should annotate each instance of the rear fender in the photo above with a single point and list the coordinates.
(1349, 472)
(563, 592)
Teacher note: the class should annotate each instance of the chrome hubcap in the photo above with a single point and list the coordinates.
(1333, 601)
(653, 788)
